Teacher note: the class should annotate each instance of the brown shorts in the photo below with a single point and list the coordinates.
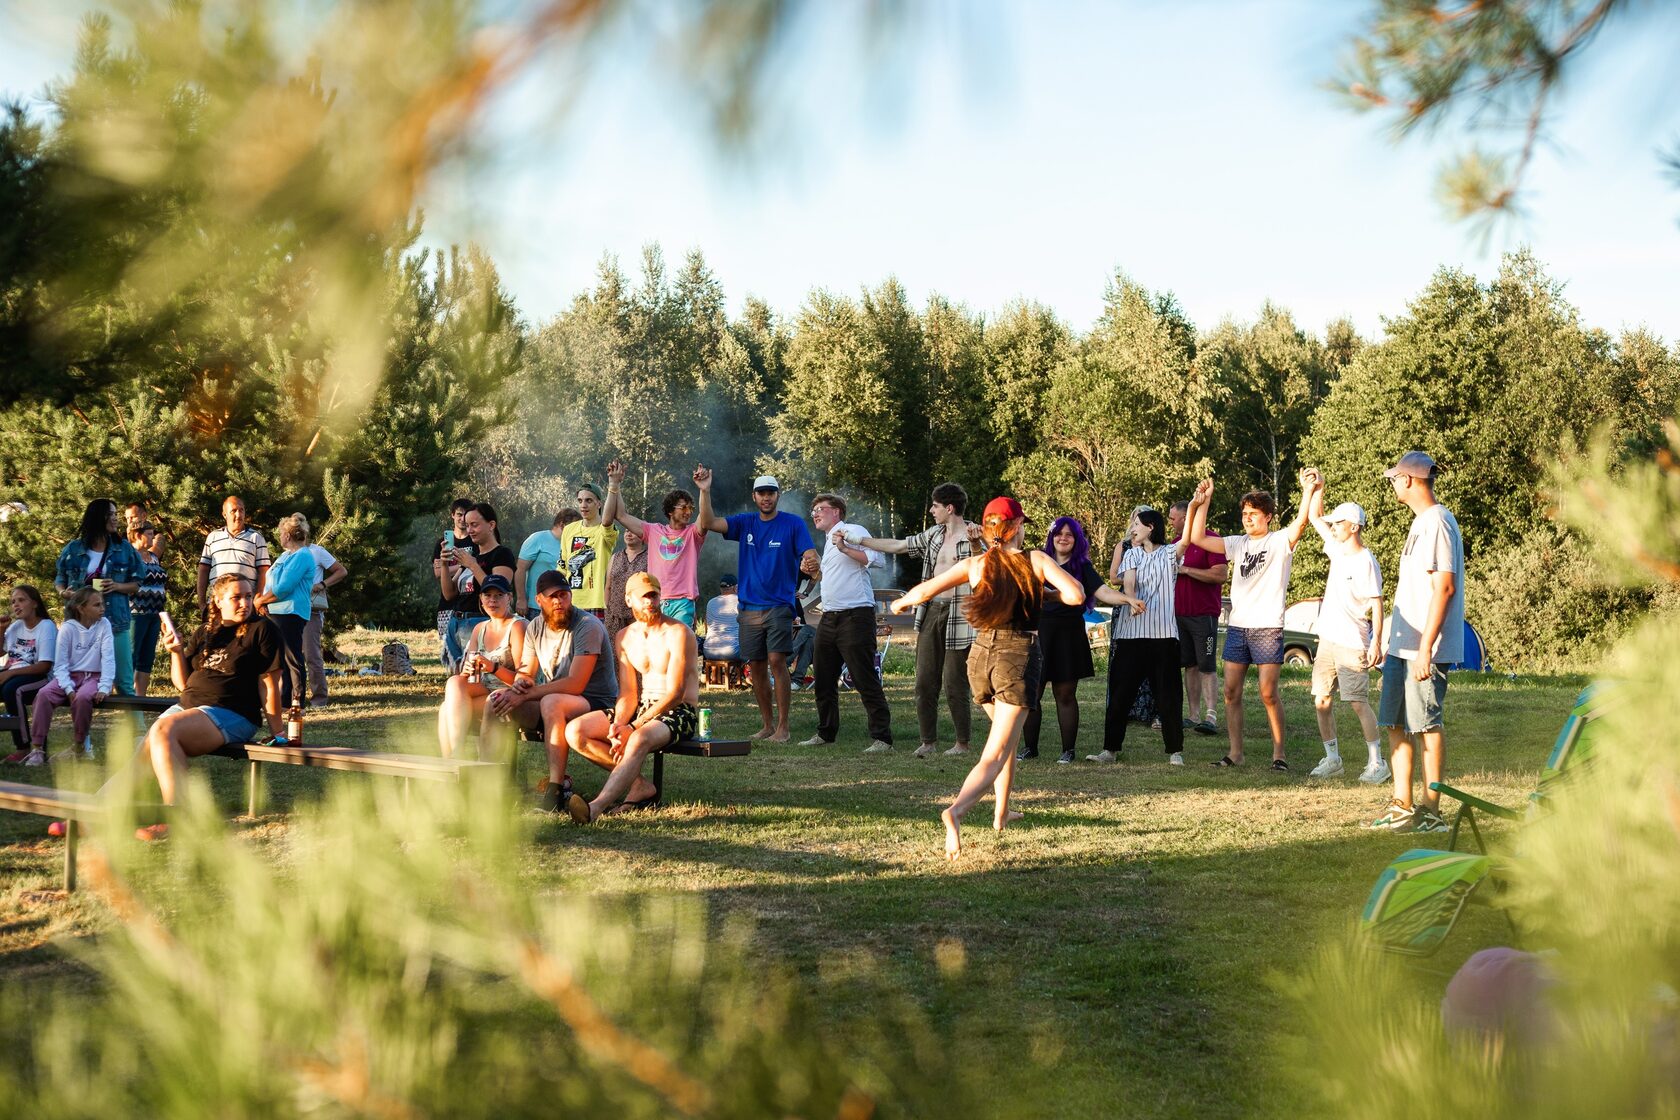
(1005, 665)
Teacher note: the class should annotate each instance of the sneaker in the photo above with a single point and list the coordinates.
(87, 746)
(1429, 820)
(1329, 766)
(1155, 724)
(814, 741)
(1395, 818)
(1207, 727)
(1176, 758)
(807, 681)
(58, 829)
(67, 754)
(877, 747)
(152, 833)
(1376, 773)
(1102, 756)
(16, 757)
(36, 757)
(1067, 756)
(955, 751)
(1025, 753)
(927, 750)
(551, 796)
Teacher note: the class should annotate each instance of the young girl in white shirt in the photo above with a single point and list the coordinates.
(83, 671)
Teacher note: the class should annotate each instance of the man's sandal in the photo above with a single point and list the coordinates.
(1224, 762)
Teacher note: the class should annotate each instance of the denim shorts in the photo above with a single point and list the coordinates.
(1402, 695)
(1005, 666)
(1257, 645)
(234, 727)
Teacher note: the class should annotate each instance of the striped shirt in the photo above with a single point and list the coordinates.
(926, 544)
(1157, 575)
(230, 555)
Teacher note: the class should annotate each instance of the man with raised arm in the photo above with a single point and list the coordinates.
(658, 704)
(1349, 630)
(673, 549)
(1260, 559)
(944, 636)
(1427, 635)
(566, 673)
(774, 549)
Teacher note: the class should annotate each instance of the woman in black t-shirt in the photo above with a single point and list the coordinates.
(219, 669)
(462, 572)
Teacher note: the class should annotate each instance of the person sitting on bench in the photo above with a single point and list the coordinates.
(566, 672)
(493, 655)
(659, 673)
(220, 668)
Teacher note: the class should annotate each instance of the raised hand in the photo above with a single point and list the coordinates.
(703, 478)
(615, 472)
(1204, 490)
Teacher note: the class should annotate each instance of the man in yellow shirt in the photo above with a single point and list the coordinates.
(586, 548)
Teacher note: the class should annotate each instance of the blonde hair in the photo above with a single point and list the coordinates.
(293, 530)
(78, 601)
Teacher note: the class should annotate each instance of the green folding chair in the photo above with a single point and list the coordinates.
(1418, 899)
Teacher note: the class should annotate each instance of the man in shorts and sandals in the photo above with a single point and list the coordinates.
(1349, 632)
(1196, 605)
(659, 674)
(1260, 559)
(567, 672)
(1427, 635)
(774, 548)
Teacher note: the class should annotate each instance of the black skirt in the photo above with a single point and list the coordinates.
(1067, 651)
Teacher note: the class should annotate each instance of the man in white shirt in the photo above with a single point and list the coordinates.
(238, 550)
(1259, 559)
(847, 630)
(1427, 634)
(1349, 631)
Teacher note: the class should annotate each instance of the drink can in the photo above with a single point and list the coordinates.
(705, 723)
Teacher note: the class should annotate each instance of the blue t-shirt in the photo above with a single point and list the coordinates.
(770, 552)
(542, 549)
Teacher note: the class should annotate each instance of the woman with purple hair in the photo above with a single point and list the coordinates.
(1061, 637)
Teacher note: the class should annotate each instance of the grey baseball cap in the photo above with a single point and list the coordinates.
(1413, 464)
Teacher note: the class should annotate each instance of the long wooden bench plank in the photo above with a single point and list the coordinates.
(73, 806)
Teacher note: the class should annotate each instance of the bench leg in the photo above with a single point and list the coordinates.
(659, 776)
(253, 803)
(71, 829)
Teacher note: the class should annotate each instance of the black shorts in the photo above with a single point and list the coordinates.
(1005, 666)
(1196, 636)
(683, 720)
(765, 632)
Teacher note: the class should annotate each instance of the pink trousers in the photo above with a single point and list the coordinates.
(52, 696)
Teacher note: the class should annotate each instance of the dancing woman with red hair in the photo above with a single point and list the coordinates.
(1005, 663)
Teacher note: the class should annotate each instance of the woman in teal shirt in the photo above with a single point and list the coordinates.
(286, 599)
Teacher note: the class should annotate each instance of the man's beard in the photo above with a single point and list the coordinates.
(646, 616)
(557, 617)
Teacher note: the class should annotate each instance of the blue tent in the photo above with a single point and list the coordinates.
(1475, 653)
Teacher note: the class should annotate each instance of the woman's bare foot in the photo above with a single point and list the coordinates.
(761, 733)
(1008, 818)
(953, 835)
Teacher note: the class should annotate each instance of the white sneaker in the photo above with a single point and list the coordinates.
(37, 757)
(1330, 766)
(814, 741)
(87, 745)
(1176, 758)
(1376, 774)
(65, 755)
(927, 750)
(958, 749)
(1102, 756)
(876, 746)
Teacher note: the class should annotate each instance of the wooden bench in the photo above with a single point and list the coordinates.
(71, 806)
(425, 767)
(690, 748)
(156, 705)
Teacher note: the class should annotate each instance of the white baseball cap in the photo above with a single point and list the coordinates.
(1348, 511)
(766, 482)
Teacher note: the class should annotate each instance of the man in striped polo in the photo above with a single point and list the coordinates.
(237, 550)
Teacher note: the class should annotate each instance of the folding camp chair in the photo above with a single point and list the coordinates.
(1418, 899)
(1572, 752)
(881, 631)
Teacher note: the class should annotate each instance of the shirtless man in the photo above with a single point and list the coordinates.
(659, 681)
(943, 657)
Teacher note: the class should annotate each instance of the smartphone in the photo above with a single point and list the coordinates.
(168, 623)
(446, 551)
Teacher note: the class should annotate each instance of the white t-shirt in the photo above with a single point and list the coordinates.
(1434, 544)
(324, 561)
(94, 559)
(845, 583)
(25, 646)
(1259, 568)
(1350, 591)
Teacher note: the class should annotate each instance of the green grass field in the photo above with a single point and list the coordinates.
(1122, 951)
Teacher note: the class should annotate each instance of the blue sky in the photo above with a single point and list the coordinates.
(1030, 150)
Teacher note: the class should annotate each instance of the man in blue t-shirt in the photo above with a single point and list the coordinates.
(775, 548)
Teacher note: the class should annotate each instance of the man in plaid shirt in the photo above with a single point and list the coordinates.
(941, 662)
